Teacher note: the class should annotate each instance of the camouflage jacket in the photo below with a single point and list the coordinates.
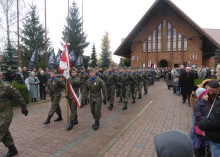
(75, 82)
(95, 86)
(55, 85)
(8, 93)
(83, 76)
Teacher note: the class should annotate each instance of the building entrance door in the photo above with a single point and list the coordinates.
(163, 63)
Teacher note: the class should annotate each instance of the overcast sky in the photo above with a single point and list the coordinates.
(118, 17)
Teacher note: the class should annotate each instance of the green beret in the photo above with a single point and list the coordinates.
(74, 69)
(91, 70)
(54, 71)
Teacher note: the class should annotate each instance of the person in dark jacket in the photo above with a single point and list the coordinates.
(43, 81)
(186, 81)
(211, 124)
(201, 110)
(19, 78)
(173, 144)
(208, 73)
(25, 73)
(9, 75)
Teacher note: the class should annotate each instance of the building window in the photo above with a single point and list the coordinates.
(143, 65)
(179, 42)
(165, 38)
(149, 44)
(154, 40)
(174, 39)
(145, 46)
(134, 58)
(185, 44)
(169, 37)
(159, 38)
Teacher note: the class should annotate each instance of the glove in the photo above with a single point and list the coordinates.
(24, 111)
(104, 101)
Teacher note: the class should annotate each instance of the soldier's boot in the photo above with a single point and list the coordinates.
(110, 106)
(96, 126)
(75, 122)
(48, 120)
(133, 101)
(125, 106)
(120, 100)
(139, 96)
(11, 151)
(70, 126)
(145, 93)
(59, 118)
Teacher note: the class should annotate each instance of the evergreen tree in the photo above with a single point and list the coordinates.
(10, 59)
(121, 63)
(217, 57)
(73, 33)
(33, 37)
(93, 62)
(127, 62)
(105, 56)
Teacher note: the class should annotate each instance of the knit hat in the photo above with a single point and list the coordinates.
(200, 92)
(173, 144)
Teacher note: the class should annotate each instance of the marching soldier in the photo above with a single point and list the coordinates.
(7, 93)
(134, 87)
(110, 82)
(55, 86)
(83, 76)
(140, 81)
(94, 86)
(146, 82)
(75, 82)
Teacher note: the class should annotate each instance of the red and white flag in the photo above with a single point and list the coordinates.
(65, 67)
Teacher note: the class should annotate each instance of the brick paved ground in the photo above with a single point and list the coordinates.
(121, 133)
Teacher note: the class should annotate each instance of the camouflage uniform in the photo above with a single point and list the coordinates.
(55, 86)
(134, 86)
(140, 80)
(94, 86)
(146, 82)
(7, 93)
(75, 82)
(83, 76)
(111, 81)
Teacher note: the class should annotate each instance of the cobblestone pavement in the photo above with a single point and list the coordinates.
(122, 133)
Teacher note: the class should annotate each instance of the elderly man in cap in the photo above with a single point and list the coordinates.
(7, 93)
(54, 86)
(95, 88)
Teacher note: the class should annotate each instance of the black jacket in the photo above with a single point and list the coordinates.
(186, 81)
(43, 79)
(211, 125)
(9, 76)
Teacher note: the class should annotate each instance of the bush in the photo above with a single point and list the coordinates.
(24, 92)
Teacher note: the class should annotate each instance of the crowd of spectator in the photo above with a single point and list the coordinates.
(34, 80)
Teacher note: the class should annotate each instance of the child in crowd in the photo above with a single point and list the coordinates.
(201, 110)
(176, 88)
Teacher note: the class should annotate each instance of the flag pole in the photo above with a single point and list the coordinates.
(67, 102)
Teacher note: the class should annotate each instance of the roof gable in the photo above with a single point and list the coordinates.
(124, 48)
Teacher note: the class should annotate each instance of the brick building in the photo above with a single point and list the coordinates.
(166, 37)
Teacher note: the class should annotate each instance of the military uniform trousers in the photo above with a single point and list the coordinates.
(81, 90)
(95, 106)
(5, 121)
(125, 92)
(146, 84)
(55, 107)
(73, 109)
(134, 90)
(141, 84)
(111, 93)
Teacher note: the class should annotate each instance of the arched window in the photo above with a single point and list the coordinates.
(165, 38)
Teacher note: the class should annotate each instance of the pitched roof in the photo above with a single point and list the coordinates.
(124, 48)
(214, 33)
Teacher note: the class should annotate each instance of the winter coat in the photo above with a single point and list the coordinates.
(9, 76)
(186, 81)
(34, 88)
(202, 73)
(201, 110)
(211, 125)
(19, 78)
(169, 79)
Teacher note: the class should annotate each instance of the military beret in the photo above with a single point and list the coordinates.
(74, 69)
(92, 70)
(54, 71)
